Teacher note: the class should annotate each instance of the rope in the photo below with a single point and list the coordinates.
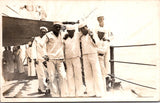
(134, 45)
(12, 10)
(4, 14)
(133, 63)
(132, 82)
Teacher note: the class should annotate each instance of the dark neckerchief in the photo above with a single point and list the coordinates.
(100, 35)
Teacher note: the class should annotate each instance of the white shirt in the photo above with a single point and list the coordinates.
(102, 45)
(72, 46)
(88, 46)
(38, 48)
(107, 32)
(29, 52)
(53, 45)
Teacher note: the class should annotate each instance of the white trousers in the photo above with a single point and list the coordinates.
(106, 59)
(103, 70)
(41, 76)
(57, 78)
(74, 77)
(93, 76)
(20, 65)
(31, 69)
(10, 66)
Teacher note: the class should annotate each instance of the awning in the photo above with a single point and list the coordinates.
(18, 31)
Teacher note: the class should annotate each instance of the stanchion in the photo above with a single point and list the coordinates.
(112, 65)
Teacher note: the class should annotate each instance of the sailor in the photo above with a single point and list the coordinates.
(103, 49)
(29, 56)
(5, 67)
(8, 61)
(73, 63)
(92, 71)
(19, 60)
(15, 59)
(38, 52)
(54, 56)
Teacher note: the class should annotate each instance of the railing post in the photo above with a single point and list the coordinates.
(112, 64)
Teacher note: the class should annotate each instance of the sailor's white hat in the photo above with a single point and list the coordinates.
(82, 23)
(43, 27)
(71, 27)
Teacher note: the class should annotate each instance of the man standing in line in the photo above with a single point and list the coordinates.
(5, 67)
(103, 50)
(92, 71)
(54, 56)
(19, 60)
(72, 57)
(38, 52)
(29, 56)
(8, 61)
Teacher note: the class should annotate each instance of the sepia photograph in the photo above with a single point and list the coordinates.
(79, 50)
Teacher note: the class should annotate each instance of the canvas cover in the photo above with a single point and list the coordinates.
(17, 31)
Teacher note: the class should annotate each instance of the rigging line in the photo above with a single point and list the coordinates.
(4, 14)
(12, 10)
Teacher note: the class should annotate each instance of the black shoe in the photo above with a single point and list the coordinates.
(47, 92)
(108, 88)
(108, 83)
(39, 91)
(85, 92)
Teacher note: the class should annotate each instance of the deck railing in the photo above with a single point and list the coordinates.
(112, 61)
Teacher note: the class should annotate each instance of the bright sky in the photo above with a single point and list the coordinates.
(129, 21)
(132, 22)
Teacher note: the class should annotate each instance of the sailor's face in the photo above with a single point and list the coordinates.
(101, 21)
(43, 31)
(57, 27)
(71, 33)
(84, 30)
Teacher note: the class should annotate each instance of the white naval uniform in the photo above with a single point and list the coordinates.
(73, 63)
(38, 52)
(55, 51)
(92, 71)
(31, 66)
(19, 61)
(8, 56)
(104, 48)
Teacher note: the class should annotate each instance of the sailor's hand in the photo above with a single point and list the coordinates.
(46, 58)
(29, 59)
(104, 39)
(45, 64)
(35, 61)
(4, 61)
(90, 33)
